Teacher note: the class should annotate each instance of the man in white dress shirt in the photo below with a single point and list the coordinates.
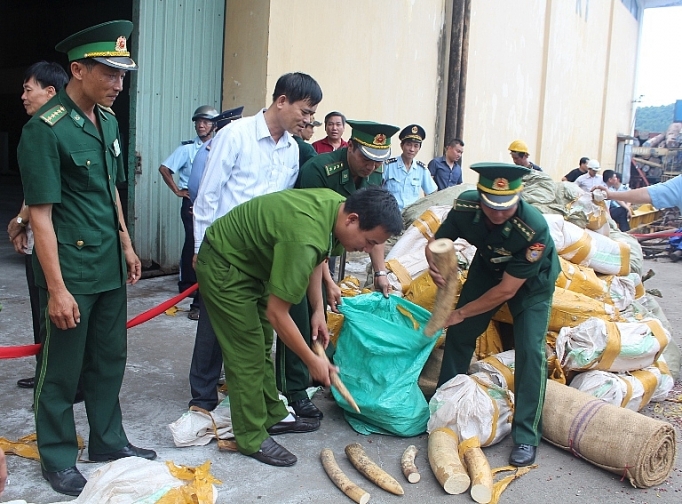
(253, 156)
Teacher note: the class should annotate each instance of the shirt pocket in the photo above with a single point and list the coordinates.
(79, 253)
(87, 171)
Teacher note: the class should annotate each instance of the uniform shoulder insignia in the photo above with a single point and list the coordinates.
(187, 142)
(53, 115)
(465, 205)
(420, 163)
(391, 160)
(333, 168)
(526, 231)
(106, 109)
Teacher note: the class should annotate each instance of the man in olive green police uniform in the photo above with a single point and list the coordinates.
(70, 159)
(345, 170)
(249, 281)
(516, 263)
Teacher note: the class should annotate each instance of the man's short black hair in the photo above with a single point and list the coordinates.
(334, 114)
(47, 74)
(298, 86)
(375, 206)
(584, 160)
(455, 141)
(608, 174)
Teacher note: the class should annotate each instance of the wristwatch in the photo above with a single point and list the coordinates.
(20, 221)
(380, 273)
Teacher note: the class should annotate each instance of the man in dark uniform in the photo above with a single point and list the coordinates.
(70, 159)
(345, 171)
(515, 263)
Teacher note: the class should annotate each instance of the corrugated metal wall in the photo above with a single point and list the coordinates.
(180, 58)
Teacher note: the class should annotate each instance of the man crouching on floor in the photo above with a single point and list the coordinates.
(254, 263)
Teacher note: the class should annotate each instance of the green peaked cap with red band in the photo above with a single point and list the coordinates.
(105, 43)
(499, 184)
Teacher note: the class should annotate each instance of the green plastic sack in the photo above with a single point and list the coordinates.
(380, 352)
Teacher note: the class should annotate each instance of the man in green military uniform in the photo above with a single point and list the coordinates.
(70, 159)
(345, 171)
(515, 263)
(249, 281)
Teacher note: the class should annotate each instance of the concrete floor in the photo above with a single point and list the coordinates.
(155, 393)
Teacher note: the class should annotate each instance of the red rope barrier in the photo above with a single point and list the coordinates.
(158, 310)
(14, 352)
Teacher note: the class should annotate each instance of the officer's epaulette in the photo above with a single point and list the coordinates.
(106, 109)
(391, 160)
(187, 142)
(466, 205)
(53, 115)
(421, 163)
(523, 228)
(332, 168)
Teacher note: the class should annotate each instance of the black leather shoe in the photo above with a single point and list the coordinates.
(299, 426)
(26, 382)
(522, 455)
(127, 451)
(67, 481)
(306, 408)
(274, 454)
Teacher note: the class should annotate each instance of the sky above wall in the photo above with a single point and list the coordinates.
(659, 74)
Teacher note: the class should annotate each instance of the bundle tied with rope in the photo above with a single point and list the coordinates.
(623, 442)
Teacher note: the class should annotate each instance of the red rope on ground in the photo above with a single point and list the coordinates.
(158, 310)
(14, 352)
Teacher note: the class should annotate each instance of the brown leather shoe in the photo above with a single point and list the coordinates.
(274, 454)
(300, 425)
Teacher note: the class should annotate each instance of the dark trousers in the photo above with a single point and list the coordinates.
(530, 372)
(620, 215)
(291, 372)
(34, 298)
(96, 349)
(187, 275)
(207, 363)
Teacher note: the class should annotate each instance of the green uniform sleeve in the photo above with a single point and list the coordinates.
(39, 163)
(310, 176)
(121, 175)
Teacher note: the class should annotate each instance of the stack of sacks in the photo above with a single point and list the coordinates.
(588, 248)
(622, 360)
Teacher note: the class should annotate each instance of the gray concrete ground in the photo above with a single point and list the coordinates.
(155, 393)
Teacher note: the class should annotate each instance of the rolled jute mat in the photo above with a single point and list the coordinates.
(619, 440)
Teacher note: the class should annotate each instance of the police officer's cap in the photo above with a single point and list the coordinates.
(499, 184)
(413, 132)
(105, 43)
(227, 116)
(374, 139)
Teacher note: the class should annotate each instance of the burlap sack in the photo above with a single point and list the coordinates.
(616, 439)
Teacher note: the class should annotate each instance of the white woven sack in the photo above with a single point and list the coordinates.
(611, 346)
(472, 406)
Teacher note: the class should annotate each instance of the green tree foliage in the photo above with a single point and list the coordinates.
(654, 119)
